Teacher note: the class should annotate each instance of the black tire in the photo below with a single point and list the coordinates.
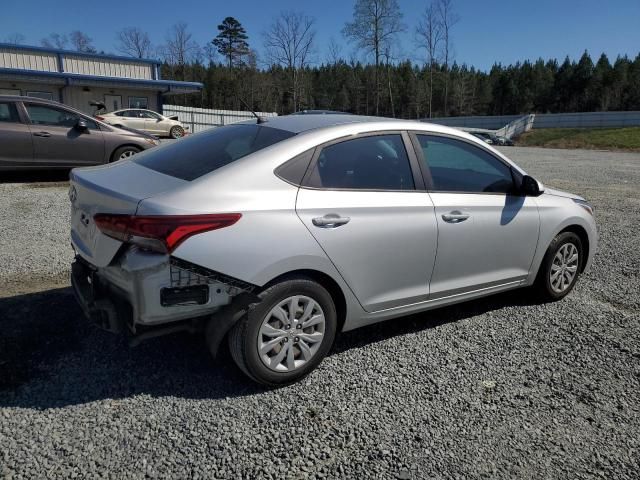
(176, 132)
(543, 281)
(123, 151)
(243, 337)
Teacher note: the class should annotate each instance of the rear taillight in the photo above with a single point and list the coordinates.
(98, 117)
(161, 232)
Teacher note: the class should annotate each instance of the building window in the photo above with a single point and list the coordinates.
(138, 102)
(43, 95)
(10, 91)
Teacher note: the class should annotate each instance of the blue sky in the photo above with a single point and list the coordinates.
(489, 31)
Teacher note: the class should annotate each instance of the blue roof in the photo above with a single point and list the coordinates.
(77, 76)
(82, 54)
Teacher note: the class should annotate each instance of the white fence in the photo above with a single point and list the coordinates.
(587, 119)
(546, 120)
(198, 119)
(482, 121)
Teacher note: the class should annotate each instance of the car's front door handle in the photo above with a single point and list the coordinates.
(41, 134)
(455, 217)
(330, 221)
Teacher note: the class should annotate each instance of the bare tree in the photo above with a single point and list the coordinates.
(375, 24)
(429, 36)
(180, 48)
(210, 52)
(15, 39)
(448, 19)
(134, 42)
(334, 52)
(387, 58)
(289, 42)
(55, 40)
(81, 42)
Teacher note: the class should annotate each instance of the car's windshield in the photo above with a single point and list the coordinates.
(195, 156)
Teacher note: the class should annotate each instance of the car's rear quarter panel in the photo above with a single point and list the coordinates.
(267, 242)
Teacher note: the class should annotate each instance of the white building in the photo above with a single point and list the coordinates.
(76, 78)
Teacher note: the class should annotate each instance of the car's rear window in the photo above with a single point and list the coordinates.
(195, 156)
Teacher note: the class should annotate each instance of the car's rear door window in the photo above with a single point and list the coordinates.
(458, 166)
(375, 162)
(195, 156)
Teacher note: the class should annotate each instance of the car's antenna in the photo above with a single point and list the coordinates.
(260, 119)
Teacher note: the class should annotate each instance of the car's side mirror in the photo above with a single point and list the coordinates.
(531, 187)
(81, 125)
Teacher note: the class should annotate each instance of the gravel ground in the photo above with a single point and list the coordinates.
(501, 387)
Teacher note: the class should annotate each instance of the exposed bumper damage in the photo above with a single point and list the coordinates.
(144, 295)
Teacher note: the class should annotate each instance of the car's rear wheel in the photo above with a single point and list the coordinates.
(286, 335)
(560, 267)
(123, 153)
(176, 132)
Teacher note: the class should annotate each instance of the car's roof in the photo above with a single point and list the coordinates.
(131, 108)
(303, 123)
(320, 112)
(350, 124)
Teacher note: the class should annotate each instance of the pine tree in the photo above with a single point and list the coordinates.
(231, 42)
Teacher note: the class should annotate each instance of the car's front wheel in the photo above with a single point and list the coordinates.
(560, 267)
(176, 132)
(123, 153)
(286, 335)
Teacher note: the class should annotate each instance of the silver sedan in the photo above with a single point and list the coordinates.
(276, 235)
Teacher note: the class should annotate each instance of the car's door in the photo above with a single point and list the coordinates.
(487, 232)
(153, 123)
(16, 144)
(364, 202)
(137, 120)
(131, 119)
(57, 141)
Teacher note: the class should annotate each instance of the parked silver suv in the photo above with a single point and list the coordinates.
(278, 235)
(37, 133)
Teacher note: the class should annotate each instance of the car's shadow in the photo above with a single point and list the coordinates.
(51, 357)
(36, 176)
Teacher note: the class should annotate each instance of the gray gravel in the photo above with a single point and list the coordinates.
(500, 388)
(34, 231)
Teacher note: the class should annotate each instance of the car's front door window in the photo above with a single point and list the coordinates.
(458, 166)
(55, 117)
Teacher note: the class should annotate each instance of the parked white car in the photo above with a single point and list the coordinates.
(146, 121)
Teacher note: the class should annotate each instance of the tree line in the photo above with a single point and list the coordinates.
(413, 91)
(288, 76)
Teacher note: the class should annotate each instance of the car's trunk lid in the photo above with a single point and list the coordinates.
(117, 188)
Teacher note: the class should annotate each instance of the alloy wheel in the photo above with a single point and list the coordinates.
(564, 268)
(291, 333)
(126, 154)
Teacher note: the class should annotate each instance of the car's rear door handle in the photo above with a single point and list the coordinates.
(455, 217)
(41, 134)
(330, 221)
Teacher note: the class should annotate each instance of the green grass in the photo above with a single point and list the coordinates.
(591, 138)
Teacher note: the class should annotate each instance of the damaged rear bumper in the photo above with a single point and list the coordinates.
(144, 294)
